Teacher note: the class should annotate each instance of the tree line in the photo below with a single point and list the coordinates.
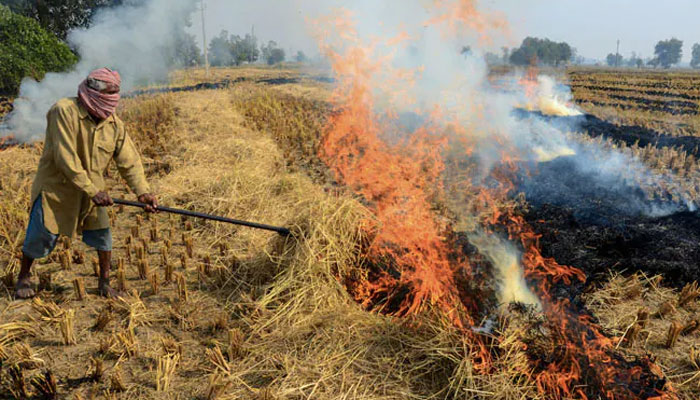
(667, 53)
(536, 51)
(33, 41)
(226, 50)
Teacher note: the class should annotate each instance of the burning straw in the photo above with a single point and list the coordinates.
(414, 268)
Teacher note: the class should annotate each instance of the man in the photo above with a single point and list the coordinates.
(68, 195)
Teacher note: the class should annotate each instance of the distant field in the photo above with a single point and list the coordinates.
(666, 101)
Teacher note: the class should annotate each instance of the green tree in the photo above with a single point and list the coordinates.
(26, 49)
(614, 60)
(220, 54)
(244, 49)
(301, 57)
(505, 54)
(535, 51)
(272, 54)
(59, 16)
(668, 52)
(695, 61)
(186, 53)
(635, 61)
(492, 58)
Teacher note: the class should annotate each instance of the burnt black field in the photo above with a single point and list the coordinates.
(600, 225)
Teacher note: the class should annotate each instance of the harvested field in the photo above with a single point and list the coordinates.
(662, 101)
(220, 312)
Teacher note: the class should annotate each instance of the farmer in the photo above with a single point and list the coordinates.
(68, 195)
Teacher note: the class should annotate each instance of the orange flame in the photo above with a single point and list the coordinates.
(7, 141)
(397, 182)
(459, 16)
(414, 266)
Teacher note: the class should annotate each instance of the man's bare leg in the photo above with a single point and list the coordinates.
(103, 287)
(23, 287)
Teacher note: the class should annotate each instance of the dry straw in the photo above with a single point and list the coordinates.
(673, 332)
(46, 385)
(164, 258)
(168, 273)
(154, 234)
(11, 331)
(236, 341)
(153, 280)
(140, 252)
(96, 369)
(165, 371)
(689, 294)
(25, 357)
(182, 293)
(103, 319)
(126, 341)
(65, 260)
(144, 268)
(218, 385)
(128, 252)
(121, 280)
(189, 247)
(67, 327)
(79, 289)
(95, 266)
(116, 381)
(18, 385)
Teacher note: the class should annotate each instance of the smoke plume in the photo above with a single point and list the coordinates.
(135, 39)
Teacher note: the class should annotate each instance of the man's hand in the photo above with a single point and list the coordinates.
(102, 199)
(150, 201)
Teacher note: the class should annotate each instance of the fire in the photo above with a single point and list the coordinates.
(406, 176)
(463, 15)
(398, 183)
(542, 96)
(7, 141)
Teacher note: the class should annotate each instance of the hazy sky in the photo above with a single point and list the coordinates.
(591, 26)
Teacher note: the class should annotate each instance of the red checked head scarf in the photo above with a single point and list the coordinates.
(99, 93)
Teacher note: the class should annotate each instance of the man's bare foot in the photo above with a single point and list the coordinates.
(23, 289)
(106, 291)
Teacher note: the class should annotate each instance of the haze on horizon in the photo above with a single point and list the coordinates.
(592, 27)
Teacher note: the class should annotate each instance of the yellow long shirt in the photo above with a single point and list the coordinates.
(76, 154)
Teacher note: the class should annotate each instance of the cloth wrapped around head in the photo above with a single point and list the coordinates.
(99, 93)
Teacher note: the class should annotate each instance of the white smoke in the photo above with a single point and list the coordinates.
(457, 83)
(506, 261)
(550, 101)
(133, 39)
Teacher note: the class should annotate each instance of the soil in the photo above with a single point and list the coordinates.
(598, 228)
(628, 134)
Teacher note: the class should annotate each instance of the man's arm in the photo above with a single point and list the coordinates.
(129, 164)
(65, 153)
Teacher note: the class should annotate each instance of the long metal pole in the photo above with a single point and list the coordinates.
(204, 41)
(280, 230)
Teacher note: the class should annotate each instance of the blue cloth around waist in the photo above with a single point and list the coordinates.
(39, 242)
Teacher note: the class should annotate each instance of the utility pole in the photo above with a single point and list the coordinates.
(253, 44)
(204, 41)
(617, 54)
